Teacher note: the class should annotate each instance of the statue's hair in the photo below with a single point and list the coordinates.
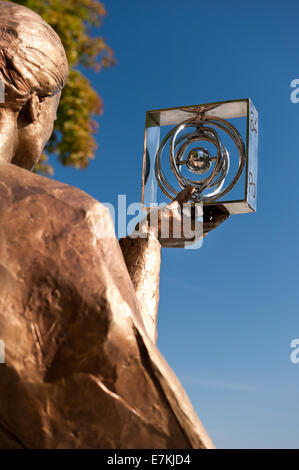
(32, 57)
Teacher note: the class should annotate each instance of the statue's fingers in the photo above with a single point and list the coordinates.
(182, 197)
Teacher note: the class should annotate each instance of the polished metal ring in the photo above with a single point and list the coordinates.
(210, 171)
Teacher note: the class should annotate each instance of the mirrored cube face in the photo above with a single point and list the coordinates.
(211, 147)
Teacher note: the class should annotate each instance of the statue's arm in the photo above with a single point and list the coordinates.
(143, 255)
(143, 258)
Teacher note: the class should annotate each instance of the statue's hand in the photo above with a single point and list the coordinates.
(174, 229)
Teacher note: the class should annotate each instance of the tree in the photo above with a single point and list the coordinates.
(73, 139)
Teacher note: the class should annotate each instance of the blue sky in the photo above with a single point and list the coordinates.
(228, 311)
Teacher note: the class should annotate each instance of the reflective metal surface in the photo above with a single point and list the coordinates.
(198, 160)
(211, 147)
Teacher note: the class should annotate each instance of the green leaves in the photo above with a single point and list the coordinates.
(73, 140)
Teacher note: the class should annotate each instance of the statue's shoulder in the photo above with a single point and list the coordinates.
(39, 203)
(18, 184)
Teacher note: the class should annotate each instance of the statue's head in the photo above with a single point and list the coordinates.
(33, 69)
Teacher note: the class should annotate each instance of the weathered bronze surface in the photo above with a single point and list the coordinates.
(82, 369)
(143, 258)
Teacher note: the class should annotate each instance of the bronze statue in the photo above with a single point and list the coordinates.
(79, 325)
